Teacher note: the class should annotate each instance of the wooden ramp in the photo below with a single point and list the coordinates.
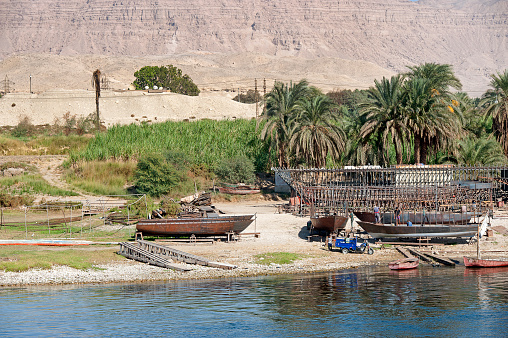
(404, 251)
(177, 255)
(430, 257)
(134, 251)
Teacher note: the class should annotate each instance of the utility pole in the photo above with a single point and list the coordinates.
(256, 95)
(30, 83)
(7, 85)
(264, 95)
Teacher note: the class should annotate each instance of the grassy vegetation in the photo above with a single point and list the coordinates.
(204, 142)
(31, 184)
(277, 258)
(41, 145)
(18, 259)
(102, 177)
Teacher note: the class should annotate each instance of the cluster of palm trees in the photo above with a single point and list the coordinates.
(412, 117)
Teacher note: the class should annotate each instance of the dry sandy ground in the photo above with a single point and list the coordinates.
(278, 233)
(61, 84)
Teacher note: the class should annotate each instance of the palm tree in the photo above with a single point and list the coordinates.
(441, 77)
(434, 116)
(316, 133)
(473, 151)
(495, 101)
(96, 83)
(428, 117)
(281, 105)
(383, 112)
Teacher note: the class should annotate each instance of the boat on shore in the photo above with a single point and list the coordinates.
(418, 217)
(204, 225)
(404, 264)
(239, 190)
(416, 231)
(485, 263)
(329, 223)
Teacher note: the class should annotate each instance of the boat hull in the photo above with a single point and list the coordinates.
(417, 217)
(198, 226)
(404, 264)
(332, 223)
(238, 191)
(403, 231)
(484, 263)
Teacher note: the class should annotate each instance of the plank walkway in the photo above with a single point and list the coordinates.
(178, 255)
(133, 251)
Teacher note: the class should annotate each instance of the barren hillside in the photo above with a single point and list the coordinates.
(237, 40)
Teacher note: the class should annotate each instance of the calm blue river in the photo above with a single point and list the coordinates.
(375, 302)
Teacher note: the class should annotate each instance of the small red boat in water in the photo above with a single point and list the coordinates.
(404, 264)
(484, 263)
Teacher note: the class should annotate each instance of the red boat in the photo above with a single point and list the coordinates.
(484, 263)
(329, 223)
(198, 226)
(404, 264)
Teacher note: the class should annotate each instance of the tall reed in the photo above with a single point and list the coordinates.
(203, 141)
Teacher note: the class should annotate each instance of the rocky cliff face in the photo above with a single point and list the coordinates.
(471, 35)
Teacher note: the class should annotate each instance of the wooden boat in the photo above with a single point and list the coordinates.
(239, 190)
(418, 218)
(416, 231)
(485, 263)
(198, 226)
(329, 223)
(404, 264)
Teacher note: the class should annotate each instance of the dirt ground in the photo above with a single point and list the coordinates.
(276, 232)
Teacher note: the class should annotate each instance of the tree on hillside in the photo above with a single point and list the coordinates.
(96, 83)
(169, 77)
(495, 101)
(281, 109)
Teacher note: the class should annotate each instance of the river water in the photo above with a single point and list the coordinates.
(372, 301)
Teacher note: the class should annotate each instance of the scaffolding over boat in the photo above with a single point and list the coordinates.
(410, 187)
(420, 194)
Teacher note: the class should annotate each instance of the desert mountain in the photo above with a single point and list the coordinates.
(238, 40)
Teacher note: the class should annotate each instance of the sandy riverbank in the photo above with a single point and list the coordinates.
(278, 233)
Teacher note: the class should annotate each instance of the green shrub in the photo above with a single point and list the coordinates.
(154, 176)
(24, 128)
(239, 169)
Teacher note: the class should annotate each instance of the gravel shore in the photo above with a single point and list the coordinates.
(279, 233)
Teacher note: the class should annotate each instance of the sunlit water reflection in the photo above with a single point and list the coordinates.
(370, 301)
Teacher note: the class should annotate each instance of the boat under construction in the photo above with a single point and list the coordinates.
(418, 231)
(418, 218)
(439, 200)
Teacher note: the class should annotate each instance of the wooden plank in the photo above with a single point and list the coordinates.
(132, 251)
(183, 256)
(404, 252)
(428, 257)
(501, 229)
(441, 259)
(420, 255)
(409, 243)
